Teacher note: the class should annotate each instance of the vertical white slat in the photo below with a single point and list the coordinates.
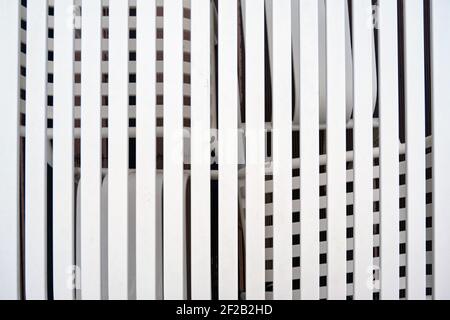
(118, 151)
(146, 150)
(36, 152)
(415, 149)
(362, 145)
(440, 53)
(336, 149)
(309, 149)
(174, 282)
(255, 150)
(389, 140)
(9, 143)
(91, 151)
(228, 150)
(200, 151)
(282, 150)
(63, 153)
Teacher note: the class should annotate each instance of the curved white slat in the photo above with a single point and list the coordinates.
(440, 53)
(362, 145)
(200, 151)
(336, 148)
(118, 236)
(282, 150)
(36, 153)
(91, 153)
(9, 142)
(415, 149)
